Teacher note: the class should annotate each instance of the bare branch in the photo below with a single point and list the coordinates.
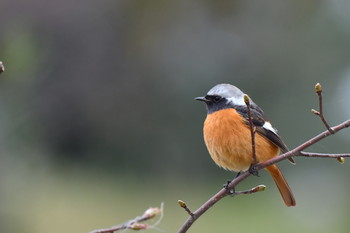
(183, 205)
(319, 113)
(136, 223)
(258, 188)
(251, 126)
(339, 157)
(322, 155)
(295, 152)
(212, 201)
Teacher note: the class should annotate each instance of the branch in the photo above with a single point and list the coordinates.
(295, 152)
(298, 150)
(339, 157)
(318, 89)
(251, 126)
(258, 188)
(136, 223)
(217, 197)
(184, 205)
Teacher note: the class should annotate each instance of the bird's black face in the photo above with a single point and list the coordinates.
(214, 102)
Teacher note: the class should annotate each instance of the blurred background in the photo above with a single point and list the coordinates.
(98, 121)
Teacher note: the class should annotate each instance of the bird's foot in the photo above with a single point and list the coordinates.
(231, 191)
(253, 170)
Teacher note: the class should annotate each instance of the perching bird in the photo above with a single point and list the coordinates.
(227, 135)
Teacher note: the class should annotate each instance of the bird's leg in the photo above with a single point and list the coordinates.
(231, 191)
(238, 173)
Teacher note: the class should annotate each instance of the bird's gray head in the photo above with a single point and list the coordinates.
(223, 96)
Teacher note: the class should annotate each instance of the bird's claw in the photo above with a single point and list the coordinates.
(231, 191)
(253, 170)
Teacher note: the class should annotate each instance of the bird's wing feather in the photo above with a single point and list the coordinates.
(263, 126)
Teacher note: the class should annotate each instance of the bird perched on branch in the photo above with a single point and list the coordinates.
(227, 135)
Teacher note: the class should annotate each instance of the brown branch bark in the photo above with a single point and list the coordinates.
(252, 128)
(184, 205)
(322, 155)
(136, 223)
(319, 113)
(295, 152)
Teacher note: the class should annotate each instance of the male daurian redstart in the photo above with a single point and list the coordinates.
(227, 135)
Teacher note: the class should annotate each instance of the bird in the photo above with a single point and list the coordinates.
(227, 135)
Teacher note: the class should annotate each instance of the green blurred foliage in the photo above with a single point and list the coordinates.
(98, 120)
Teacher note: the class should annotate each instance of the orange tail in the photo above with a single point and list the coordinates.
(282, 185)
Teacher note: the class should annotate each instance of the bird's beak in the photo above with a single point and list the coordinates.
(201, 99)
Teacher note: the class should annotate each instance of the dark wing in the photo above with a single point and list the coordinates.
(273, 137)
(263, 126)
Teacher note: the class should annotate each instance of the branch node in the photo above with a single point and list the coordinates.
(256, 189)
(259, 188)
(151, 212)
(182, 203)
(254, 170)
(341, 160)
(184, 206)
(246, 99)
(315, 112)
(229, 190)
(318, 88)
(138, 226)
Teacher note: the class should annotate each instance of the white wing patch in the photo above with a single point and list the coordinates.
(267, 125)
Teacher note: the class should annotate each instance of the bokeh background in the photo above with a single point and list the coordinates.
(98, 121)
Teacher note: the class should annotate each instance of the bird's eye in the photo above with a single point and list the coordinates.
(216, 99)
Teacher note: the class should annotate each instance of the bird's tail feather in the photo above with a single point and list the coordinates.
(282, 185)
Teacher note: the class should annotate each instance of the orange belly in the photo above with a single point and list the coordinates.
(228, 140)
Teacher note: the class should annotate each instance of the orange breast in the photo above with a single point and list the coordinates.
(228, 140)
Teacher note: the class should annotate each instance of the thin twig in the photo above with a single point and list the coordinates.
(136, 223)
(251, 126)
(319, 113)
(258, 188)
(184, 205)
(339, 157)
(322, 155)
(295, 152)
(212, 201)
